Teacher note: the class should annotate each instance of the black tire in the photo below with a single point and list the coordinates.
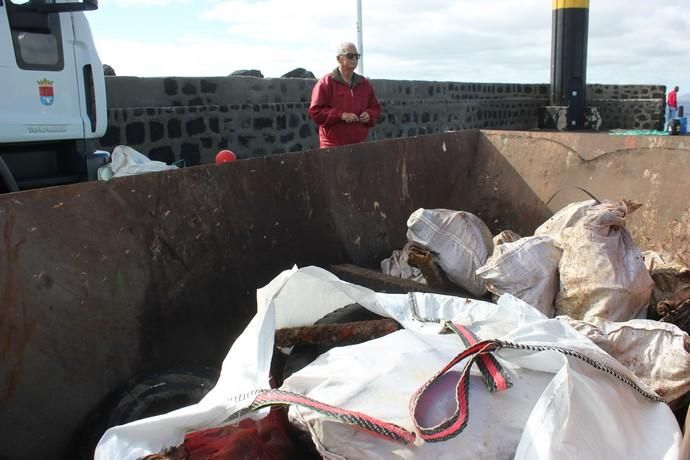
(348, 314)
(7, 182)
(143, 397)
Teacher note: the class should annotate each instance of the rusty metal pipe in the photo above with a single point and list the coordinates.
(335, 334)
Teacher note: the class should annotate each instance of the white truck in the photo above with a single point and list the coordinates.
(52, 94)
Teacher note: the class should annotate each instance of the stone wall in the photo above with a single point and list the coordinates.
(170, 119)
(629, 106)
(416, 108)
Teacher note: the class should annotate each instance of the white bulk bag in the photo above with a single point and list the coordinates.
(560, 407)
(461, 243)
(602, 272)
(526, 269)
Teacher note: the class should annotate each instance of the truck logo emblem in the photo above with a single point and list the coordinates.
(45, 91)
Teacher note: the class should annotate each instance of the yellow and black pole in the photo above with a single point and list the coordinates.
(569, 58)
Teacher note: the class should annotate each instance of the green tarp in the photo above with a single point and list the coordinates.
(637, 132)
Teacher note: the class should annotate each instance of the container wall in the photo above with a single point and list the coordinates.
(652, 170)
(105, 281)
(144, 274)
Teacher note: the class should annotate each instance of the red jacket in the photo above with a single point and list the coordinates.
(673, 99)
(331, 97)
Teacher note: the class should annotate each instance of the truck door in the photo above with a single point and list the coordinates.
(39, 89)
(90, 79)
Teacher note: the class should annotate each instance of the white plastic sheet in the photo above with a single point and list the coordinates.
(127, 162)
(396, 265)
(559, 407)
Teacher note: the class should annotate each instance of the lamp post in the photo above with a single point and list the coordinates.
(360, 46)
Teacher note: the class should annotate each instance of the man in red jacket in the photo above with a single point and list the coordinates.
(343, 103)
(671, 105)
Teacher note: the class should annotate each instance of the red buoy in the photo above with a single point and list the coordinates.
(225, 156)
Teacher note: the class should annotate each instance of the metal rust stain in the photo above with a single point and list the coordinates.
(16, 325)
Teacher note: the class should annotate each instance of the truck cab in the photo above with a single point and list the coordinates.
(52, 91)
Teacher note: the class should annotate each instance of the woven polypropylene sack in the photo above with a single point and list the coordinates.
(602, 272)
(460, 241)
(670, 274)
(527, 269)
(656, 352)
(566, 217)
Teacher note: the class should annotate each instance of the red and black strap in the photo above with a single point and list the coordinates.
(266, 398)
(495, 377)
(456, 423)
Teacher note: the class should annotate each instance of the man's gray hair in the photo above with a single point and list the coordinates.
(342, 48)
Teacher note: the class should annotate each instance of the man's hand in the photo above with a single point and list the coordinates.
(348, 117)
(364, 117)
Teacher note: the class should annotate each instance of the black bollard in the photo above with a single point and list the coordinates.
(569, 58)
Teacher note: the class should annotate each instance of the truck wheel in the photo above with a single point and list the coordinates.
(7, 182)
(145, 397)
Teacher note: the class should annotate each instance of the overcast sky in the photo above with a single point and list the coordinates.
(508, 41)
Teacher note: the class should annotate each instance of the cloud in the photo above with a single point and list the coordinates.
(455, 40)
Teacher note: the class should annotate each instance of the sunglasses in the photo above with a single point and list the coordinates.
(351, 55)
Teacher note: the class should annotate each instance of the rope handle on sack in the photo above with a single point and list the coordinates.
(478, 352)
(273, 397)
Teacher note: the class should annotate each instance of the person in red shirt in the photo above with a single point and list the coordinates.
(671, 105)
(343, 103)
